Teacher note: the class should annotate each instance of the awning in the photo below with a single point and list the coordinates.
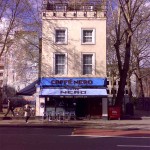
(68, 86)
(73, 92)
(29, 90)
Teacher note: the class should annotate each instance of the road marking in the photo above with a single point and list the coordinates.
(143, 146)
(111, 136)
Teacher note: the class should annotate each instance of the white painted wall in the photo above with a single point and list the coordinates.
(74, 48)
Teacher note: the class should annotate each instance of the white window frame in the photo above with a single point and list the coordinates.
(66, 35)
(93, 35)
(88, 8)
(93, 63)
(54, 62)
(60, 8)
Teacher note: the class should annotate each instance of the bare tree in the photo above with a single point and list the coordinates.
(141, 54)
(126, 19)
(20, 15)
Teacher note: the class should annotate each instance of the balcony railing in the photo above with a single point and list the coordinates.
(94, 5)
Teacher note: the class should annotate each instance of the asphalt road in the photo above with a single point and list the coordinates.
(13, 138)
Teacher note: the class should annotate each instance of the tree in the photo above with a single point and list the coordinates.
(20, 15)
(17, 15)
(126, 19)
(141, 54)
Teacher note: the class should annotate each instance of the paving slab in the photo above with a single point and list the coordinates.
(93, 123)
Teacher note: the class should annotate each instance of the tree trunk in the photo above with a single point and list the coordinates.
(124, 71)
(120, 94)
(140, 91)
(129, 86)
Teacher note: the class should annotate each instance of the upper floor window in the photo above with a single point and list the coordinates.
(60, 64)
(88, 63)
(88, 8)
(88, 36)
(60, 7)
(61, 36)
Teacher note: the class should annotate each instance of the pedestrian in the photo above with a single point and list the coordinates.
(10, 108)
(27, 113)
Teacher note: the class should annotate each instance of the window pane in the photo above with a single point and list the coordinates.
(87, 59)
(60, 33)
(60, 36)
(60, 39)
(87, 64)
(87, 36)
(87, 39)
(87, 69)
(60, 69)
(60, 64)
(60, 8)
(87, 33)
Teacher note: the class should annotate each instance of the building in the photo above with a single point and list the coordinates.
(143, 81)
(21, 63)
(112, 89)
(73, 61)
(4, 46)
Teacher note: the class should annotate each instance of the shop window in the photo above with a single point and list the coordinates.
(50, 102)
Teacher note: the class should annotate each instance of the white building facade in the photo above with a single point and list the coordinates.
(73, 62)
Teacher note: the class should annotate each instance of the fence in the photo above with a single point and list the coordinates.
(143, 104)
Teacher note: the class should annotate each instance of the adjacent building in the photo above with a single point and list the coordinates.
(21, 63)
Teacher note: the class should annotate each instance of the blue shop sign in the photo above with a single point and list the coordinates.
(73, 82)
(74, 92)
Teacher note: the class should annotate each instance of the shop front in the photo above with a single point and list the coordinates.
(85, 97)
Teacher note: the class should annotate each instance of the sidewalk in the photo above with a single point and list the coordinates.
(94, 124)
(133, 123)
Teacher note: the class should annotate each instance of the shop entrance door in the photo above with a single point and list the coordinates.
(81, 107)
(95, 107)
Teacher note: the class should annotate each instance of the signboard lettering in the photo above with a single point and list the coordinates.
(69, 82)
(75, 92)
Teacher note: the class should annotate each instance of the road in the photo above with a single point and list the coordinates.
(22, 138)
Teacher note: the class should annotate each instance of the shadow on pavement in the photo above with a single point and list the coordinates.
(6, 118)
